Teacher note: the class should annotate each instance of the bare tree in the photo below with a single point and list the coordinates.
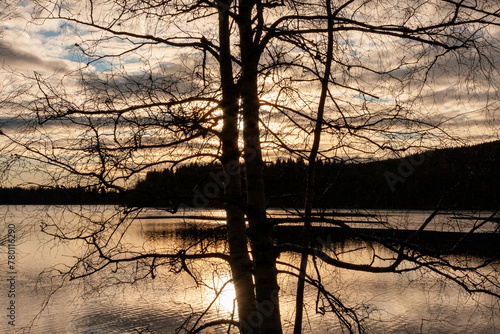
(377, 66)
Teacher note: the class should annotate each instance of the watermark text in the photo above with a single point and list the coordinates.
(11, 274)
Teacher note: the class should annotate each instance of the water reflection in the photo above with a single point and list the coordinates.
(413, 302)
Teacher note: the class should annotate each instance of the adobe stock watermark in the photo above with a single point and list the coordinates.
(11, 275)
(220, 180)
(406, 168)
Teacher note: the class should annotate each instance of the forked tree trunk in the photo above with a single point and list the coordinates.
(263, 251)
(241, 265)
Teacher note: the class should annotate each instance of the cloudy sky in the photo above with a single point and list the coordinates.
(30, 47)
(52, 48)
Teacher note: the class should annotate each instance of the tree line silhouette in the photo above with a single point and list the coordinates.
(455, 178)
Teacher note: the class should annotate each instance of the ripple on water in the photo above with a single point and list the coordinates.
(398, 305)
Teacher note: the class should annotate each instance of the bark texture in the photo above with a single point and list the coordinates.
(263, 251)
(241, 265)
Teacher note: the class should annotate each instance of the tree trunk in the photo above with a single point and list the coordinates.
(241, 265)
(299, 302)
(263, 251)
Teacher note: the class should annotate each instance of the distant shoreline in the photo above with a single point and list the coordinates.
(465, 178)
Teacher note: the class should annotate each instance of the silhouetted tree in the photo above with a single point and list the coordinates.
(207, 65)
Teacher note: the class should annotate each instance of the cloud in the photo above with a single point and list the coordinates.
(54, 47)
(13, 58)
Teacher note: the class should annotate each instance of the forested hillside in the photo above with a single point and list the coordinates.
(457, 178)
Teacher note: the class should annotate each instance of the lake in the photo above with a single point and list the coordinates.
(128, 300)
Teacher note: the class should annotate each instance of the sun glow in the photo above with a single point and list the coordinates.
(219, 296)
(226, 301)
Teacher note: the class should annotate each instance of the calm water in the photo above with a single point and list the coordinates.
(118, 301)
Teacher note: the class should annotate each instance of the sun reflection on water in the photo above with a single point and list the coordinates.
(411, 302)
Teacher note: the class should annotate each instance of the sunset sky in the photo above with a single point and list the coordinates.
(51, 48)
